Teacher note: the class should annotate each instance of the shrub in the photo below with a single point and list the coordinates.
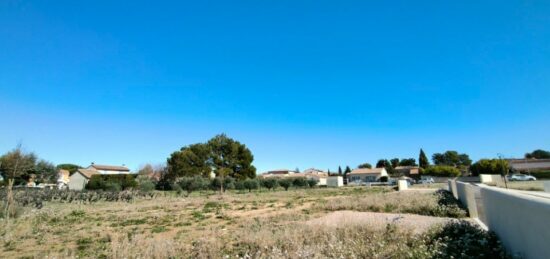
(239, 185)
(299, 182)
(312, 182)
(489, 166)
(112, 182)
(541, 174)
(442, 170)
(250, 184)
(145, 185)
(463, 239)
(285, 183)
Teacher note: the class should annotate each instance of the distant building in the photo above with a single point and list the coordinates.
(366, 175)
(109, 169)
(529, 165)
(81, 177)
(335, 181)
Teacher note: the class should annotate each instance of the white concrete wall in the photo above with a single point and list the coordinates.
(335, 181)
(402, 185)
(519, 218)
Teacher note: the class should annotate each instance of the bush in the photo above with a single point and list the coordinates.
(442, 170)
(112, 182)
(269, 183)
(463, 239)
(191, 184)
(285, 183)
(250, 184)
(299, 182)
(312, 182)
(239, 185)
(541, 174)
(489, 166)
(145, 184)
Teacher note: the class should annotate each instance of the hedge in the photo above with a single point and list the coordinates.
(112, 182)
(442, 170)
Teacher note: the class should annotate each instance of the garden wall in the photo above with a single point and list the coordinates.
(519, 218)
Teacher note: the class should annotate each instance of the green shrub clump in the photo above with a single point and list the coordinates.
(442, 170)
(112, 182)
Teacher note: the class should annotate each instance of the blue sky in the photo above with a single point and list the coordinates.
(301, 83)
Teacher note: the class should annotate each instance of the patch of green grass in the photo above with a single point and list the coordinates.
(197, 215)
(158, 229)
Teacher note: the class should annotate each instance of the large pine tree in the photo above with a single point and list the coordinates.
(423, 160)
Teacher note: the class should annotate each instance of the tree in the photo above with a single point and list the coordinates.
(538, 154)
(452, 158)
(394, 162)
(69, 167)
(17, 165)
(250, 184)
(408, 162)
(490, 166)
(190, 161)
(223, 155)
(228, 153)
(423, 160)
(297, 170)
(46, 172)
(381, 163)
(339, 170)
(442, 170)
(285, 183)
(365, 165)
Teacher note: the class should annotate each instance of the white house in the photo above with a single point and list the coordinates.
(366, 175)
(80, 178)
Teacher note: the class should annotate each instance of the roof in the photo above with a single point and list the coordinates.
(529, 164)
(87, 172)
(367, 171)
(280, 171)
(406, 167)
(110, 167)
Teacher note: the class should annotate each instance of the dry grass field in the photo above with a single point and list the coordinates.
(310, 223)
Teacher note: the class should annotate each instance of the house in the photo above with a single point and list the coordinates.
(278, 173)
(80, 178)
(63, 177)
(409, 171)
(529, 165)
(366, 175)
(109, 169)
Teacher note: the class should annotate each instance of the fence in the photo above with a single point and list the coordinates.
(519, 218)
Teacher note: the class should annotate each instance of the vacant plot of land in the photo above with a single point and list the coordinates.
(313, 223)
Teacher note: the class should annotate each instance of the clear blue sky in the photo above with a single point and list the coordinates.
(301, 83)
